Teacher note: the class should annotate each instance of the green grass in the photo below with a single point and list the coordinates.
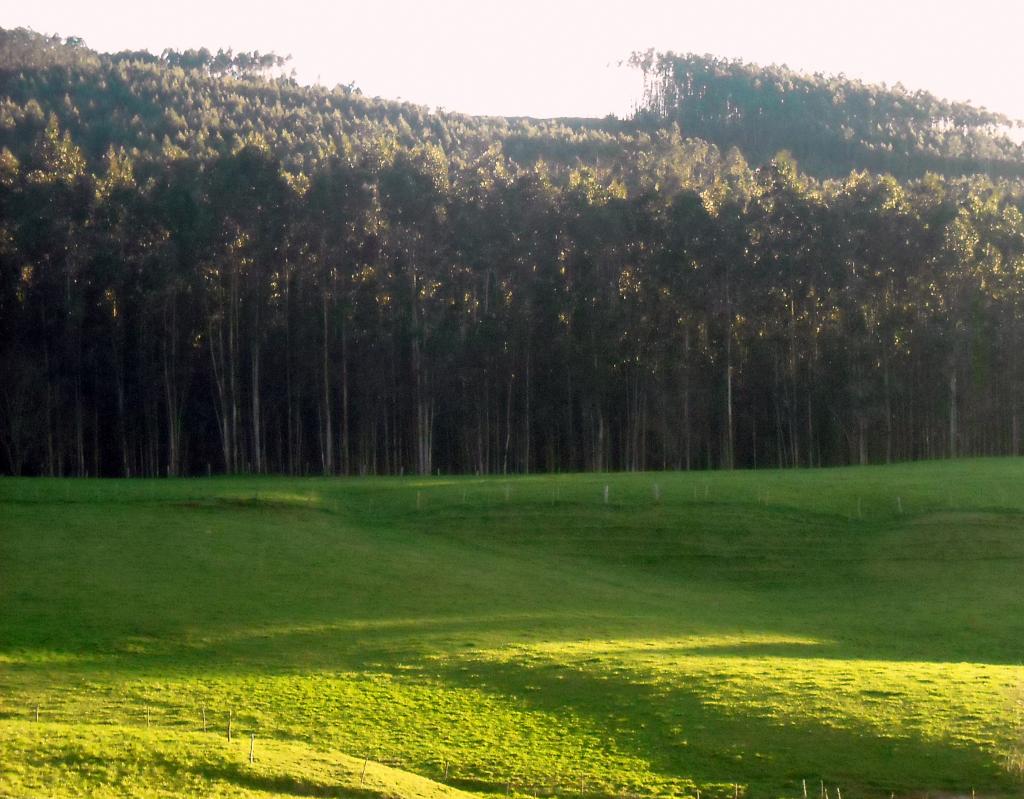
(864, 627)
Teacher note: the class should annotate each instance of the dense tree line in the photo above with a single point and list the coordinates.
(830, 123)
(385, 300)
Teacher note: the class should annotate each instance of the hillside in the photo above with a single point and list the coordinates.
(185, 105)
(830, 123)
(201, 104)
(207, 268)
(859, 627)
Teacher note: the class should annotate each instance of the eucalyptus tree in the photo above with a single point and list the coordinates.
(247, 197)
(413, 191)
(57, 199)
(344, 228)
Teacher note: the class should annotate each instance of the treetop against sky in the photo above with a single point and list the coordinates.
(545, 59)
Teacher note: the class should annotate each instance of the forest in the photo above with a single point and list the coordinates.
(206, 267)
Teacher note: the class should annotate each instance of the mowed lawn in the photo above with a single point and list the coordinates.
(721, 632)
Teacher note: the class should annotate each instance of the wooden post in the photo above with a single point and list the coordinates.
(446, 771)
(252, 747)
(899, 505)
(147, 716)
(363, 772)
(581, 785)
(419, 499)
(230, 714)
(606, 495)
(804, 783)
(735, 785)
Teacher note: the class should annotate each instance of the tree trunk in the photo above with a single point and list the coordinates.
(954, 431)
(888, 406)
(686, 399)
(257, 425)
(327, 436)
(345, 464)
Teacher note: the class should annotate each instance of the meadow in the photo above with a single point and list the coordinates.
(729, 633)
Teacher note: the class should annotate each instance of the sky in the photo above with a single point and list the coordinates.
(543, 59)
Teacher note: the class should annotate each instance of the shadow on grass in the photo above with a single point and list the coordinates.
(680, 728)
(253, 778)
(682, 735)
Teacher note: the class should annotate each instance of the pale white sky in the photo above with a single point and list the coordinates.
(551, 58)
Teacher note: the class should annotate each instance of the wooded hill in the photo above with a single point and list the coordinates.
(829, 123)
(206, 266)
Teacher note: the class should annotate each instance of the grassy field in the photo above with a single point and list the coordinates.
(858, 627)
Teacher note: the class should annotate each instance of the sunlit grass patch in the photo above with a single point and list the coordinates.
(62, 761)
